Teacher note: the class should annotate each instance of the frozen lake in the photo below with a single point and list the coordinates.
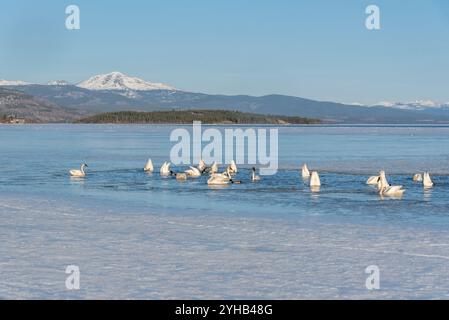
(135, 235)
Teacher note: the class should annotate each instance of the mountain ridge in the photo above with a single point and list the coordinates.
(112, 92)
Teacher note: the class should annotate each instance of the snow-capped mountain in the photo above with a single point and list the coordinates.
(13, 83)
(58, 83)
(418, 105)
(120, 81)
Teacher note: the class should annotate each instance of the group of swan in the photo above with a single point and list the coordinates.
(385, 188)
(196, 172)
(424, 178)
(192, 172)
(226, 177)
(315, 181)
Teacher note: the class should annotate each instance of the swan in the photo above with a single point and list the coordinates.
(215, 181)
(179, 176)
(427, 181)
(373, 180)
(165, 169)
(214, 168)
(383, 178)
(225, 174)
(418, 177)
(193, 172)
(202, 165)
(315, 180)
(220, 178)
(305, 172)
(254, 177)
(149, 166)
(386, 190)
(79, 173)
(233, 167)
(392, 191)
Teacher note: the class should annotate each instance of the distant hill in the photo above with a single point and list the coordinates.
(188, 116)
(31, 109)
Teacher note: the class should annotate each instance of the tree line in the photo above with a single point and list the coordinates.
(188, 116)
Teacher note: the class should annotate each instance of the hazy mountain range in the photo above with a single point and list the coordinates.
(59, 100)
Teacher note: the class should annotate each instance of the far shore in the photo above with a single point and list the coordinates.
(206, 117)
(323, 124)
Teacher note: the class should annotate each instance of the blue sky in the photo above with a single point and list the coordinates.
(316, 49)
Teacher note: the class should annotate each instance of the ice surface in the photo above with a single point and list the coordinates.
(148, 255)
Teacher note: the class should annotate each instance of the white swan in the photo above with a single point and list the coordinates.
(373, 180)
(305, 172)
(427, 181)
(315, 180)
(193, 172)
(233, 167)
(392, 191)
(383, 179)
(79, 173)
(254, 177)
(386, 190)
(165, 169)
(214, 181)
(149, 166)
(202, 165)
(214, 168)
(220, 178)
(418, 177)
(225, 174)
